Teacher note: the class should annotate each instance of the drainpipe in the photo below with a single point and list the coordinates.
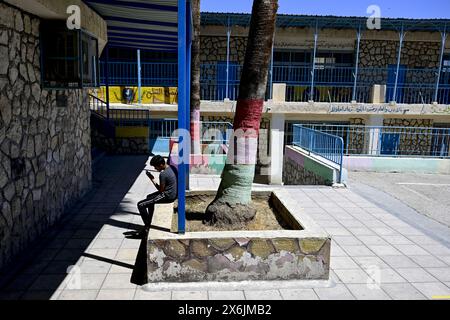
(402, 36)
(311, 92)
(228, 57)
(139, 75)
(355, 75)
(438, 77)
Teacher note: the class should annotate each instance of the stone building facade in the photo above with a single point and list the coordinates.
(45, 148)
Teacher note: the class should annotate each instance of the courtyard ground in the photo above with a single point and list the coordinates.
(410, 253)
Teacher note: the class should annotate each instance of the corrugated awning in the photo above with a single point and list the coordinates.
(140, 24)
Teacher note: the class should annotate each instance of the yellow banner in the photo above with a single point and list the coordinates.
(150, 95)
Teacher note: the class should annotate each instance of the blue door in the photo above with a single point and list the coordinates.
(392, 69)
(389, 143)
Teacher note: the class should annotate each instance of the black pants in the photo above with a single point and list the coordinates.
(147, 207)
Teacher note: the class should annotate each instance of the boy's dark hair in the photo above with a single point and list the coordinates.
(157, 161)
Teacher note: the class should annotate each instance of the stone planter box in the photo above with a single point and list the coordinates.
(301, 253)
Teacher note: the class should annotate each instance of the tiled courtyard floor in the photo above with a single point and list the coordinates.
(367, 240)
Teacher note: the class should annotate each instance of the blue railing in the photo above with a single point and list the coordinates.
(332, 82)
(386, 141)
(327, 146)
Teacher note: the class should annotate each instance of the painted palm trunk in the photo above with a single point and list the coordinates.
(232, 204)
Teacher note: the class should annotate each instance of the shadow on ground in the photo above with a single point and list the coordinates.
(42, 268)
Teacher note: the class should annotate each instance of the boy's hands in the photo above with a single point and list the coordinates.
(149, 175)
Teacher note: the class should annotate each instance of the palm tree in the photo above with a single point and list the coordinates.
(195, 82)
(232, 204)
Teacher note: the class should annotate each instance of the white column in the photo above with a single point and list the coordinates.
(373, 143)
(276, 148)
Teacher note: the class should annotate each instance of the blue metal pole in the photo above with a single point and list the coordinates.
(438, 78)
(311, 92)
(189, 29)
(182, 109)
(139, 75)
(228, 57)
(402, 36)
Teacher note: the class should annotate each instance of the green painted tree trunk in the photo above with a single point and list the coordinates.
(232, 204)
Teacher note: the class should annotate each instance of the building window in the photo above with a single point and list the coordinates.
(69, 57)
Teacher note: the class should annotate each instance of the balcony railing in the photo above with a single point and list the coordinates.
(332, 83)
(387, 141)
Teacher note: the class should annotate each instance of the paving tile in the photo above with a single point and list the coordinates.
(337, 251)
(338, 292)
(298, 294)
(365, 292)
(409, 231)
(384, 250)
(402, 291)
(142, 294)
(342, 263)
(428, 261)
(226, 295)
(126, 254)
(372, 239)
(69, 254)
(78, 295)
(118, 281)
(94, 266)
(432, 289)
(399, 262)
(58, 267)
(107, 243)
(390, 276)
(338, 231)
(130, 244)
(411, 249)
(370, 262)
(92, 281)
(361, 231)
(262, 295)
(358, 251)
(437, 249)
(49, 282)
(415, 275)
(446, 259)
(397, 239)
(127, 267)
(116, 294)
(382, 231)
(102, 253)
(442, 274)
(352, 275)
(189, 295)
(347, 240)
(78, 244)
(420, 240)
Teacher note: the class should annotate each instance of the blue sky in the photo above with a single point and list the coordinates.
(389, 8)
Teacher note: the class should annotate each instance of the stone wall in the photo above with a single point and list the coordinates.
(45, 159)
(214, 49)
(237, 259)
(416, 142)
(357, 138)
(295, 174)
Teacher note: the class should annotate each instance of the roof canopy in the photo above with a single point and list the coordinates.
(288, 20)
(140, 24)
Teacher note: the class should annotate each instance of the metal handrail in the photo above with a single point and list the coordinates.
(325, 145)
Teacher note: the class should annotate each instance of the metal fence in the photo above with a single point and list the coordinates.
(328, 146)
(332, 82)
(379, 141)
